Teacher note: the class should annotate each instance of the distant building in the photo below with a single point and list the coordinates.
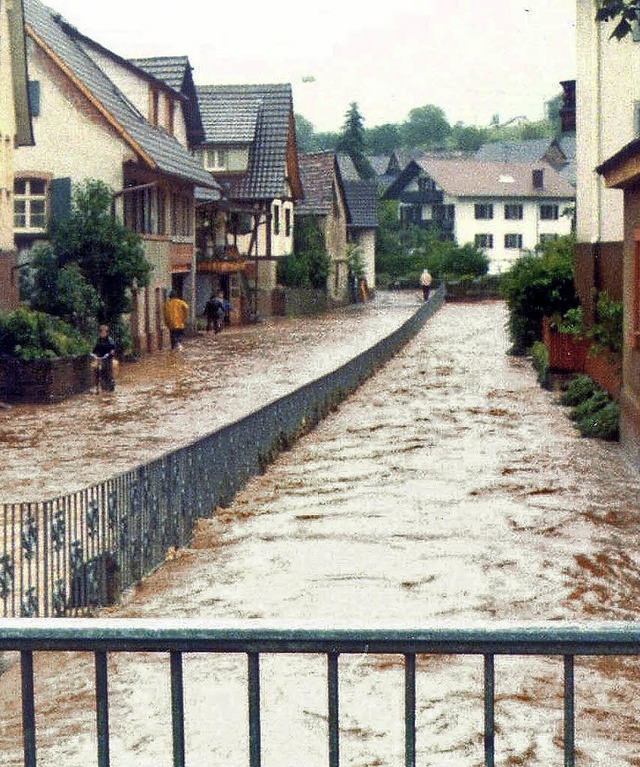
(501, 208)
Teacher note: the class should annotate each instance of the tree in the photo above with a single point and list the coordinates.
(383, 139)
(352, 141)
(468, 137)
(304, 134)
(93, 259)
(625, 12)
(426, 126)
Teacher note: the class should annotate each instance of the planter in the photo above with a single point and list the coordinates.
(566, 352)
(44, 380)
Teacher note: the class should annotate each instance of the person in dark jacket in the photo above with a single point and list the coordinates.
(214, 312)
(105, 350)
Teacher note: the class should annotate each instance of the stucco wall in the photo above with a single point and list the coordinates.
(366, 240)
(136, 89)
(72, 138)
(607, 88)
(530, 227)
(7, 135)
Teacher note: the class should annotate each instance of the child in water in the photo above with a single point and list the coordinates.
(104, 351)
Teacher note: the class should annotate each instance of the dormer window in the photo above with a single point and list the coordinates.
(216, 159)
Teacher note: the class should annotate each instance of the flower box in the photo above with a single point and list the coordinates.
(566, 352)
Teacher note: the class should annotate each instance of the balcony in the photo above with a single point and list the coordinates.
(425, 197)
(257, 638)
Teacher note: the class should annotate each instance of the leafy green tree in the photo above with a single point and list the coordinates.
(309, 265)
(539, 284)
(305, 134)
(426, 126)
(625, 12)
(105, 253)
(383, 139)
(468, 137)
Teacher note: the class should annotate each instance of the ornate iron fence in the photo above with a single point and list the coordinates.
(71, 554)
(102, 636)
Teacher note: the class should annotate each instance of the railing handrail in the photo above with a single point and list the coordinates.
(262, 636)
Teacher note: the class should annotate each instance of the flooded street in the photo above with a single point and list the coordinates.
(448, 488)
(171, 399)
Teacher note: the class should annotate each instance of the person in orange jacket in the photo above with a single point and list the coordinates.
(176, 314)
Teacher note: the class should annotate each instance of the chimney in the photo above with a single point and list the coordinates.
(538, 178)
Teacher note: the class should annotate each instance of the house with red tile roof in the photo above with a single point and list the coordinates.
(501, 208)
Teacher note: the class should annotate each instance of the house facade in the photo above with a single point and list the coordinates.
(362, 203)
(502, 208)
(15, 130)
(325, 206)
(124, 127)
(250, 150)
(607, 118)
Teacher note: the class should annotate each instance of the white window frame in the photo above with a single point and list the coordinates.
(27, 197)
(512, 208)
(215, 158)
(554, 210)
(483, 211)
(484, 240)
(508, 240)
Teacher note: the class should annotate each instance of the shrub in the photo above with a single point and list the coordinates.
(538, 284)
(603, 423)
(607, 331)
(540, 361)
(579, 390)
(590, 406)
(31, 335)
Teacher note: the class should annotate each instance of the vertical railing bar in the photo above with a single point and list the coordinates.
(177, 708)
(569, 712)
(28, 709)
(333, 709)
(44, 539)
(489, 710)
(410, 710)
(102, 708)
(255, 746)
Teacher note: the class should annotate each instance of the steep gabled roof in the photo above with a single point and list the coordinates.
(348, 169)
(473, 178)
(175, 71)
(261, 116)
(153, 145)
(362, 201)
(319, 172)
(170, 69)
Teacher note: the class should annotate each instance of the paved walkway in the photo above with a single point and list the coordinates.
(174, 398)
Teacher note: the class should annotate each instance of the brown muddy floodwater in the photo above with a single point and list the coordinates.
(449, 488)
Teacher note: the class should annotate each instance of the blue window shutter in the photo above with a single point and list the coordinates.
(60, 200)
(34, 97)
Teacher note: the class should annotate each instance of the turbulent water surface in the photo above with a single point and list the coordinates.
(450, 487)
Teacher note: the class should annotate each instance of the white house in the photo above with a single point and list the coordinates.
(607, 118)
(98, 116)
(502, 208)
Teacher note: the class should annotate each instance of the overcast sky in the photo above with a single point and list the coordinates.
(472, 59)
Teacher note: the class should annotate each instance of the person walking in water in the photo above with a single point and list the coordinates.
(176, 314)
(425, 283)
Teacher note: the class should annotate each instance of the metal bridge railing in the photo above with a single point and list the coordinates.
(72, 554)
(254, 639)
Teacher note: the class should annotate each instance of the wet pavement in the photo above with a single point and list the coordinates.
(449, 487)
